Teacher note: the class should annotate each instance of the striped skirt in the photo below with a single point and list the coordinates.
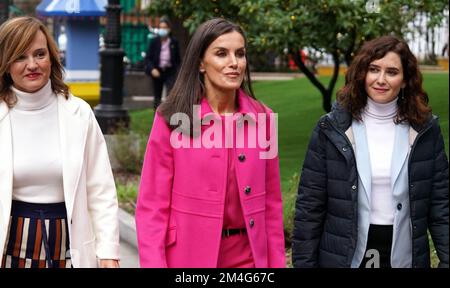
(38, 237)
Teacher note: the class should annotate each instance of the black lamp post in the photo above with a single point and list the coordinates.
(4, 10)
(109, 113)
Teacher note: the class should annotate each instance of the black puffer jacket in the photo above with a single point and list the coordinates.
(325, 228)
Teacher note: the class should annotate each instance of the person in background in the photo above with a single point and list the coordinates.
(58, 203)
(162, 60)
(375, 178)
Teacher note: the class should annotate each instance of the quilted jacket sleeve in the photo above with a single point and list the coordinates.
(311, 203)
(438, 217)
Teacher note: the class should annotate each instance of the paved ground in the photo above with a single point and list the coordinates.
(128, 240)
(129, 256)
(270, 76)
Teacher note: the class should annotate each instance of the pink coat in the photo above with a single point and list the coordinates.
(180, 206)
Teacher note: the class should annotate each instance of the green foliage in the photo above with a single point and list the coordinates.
(127, 195)
(334, 27)
(433, 255)
(194, 12)
(325, 25)
(141, 121)
(289, 198)
(128, 150)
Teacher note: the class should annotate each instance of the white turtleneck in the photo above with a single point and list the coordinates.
(380, 130)
(37, 164)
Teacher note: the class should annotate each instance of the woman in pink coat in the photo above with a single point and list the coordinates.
(210, 187)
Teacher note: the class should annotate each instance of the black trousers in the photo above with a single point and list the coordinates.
(379, 243)
(167, 78)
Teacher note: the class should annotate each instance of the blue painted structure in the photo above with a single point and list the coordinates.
(83, 44)
(82, 30)
(72, 8)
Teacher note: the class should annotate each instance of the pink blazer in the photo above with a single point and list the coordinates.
(180, 205)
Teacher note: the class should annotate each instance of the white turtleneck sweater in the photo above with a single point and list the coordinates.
(37, 164)
(380, 130)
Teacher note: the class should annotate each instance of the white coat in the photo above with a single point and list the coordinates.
(89, 189)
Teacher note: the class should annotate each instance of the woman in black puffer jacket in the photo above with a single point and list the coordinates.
(375, 176)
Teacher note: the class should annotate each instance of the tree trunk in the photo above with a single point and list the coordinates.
(427, 37)
(4, 10)
(326, 92)
(433, 47)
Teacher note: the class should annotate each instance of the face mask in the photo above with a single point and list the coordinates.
(163, 32)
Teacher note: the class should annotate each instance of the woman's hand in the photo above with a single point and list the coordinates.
(109, 263)
(155, 73)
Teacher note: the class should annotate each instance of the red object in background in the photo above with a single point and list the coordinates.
(292, 64)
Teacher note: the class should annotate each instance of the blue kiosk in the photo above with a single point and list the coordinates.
(82, 29)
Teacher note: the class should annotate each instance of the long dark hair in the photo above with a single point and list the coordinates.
(413, 103)
(189, 88)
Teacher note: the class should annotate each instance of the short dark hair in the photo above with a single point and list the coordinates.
(413, 107)
(165, 19)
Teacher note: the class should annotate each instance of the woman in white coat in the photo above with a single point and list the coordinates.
(58, 203)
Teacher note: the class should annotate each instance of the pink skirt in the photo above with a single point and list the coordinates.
(235, 252)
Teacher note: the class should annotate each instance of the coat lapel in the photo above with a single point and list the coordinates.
(6, 167)
(400, 151)
(362, 156)
(73, 133)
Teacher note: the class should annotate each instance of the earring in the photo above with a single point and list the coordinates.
(402, 94)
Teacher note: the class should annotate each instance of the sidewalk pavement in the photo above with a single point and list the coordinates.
(128, 255)
(270, 76)
(128, 241)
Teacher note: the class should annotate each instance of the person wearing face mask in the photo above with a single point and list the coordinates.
(162, 60)
(375, 177)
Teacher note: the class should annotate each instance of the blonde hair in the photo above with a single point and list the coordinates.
(16, 35)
